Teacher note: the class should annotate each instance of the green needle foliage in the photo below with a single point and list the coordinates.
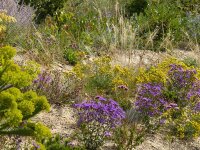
(17, 107)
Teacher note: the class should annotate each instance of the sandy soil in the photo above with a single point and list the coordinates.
(60, 120)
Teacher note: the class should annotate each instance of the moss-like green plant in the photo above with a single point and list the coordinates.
(17, 107)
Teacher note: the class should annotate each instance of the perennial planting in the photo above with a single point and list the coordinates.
(173, 103)
(77, 96)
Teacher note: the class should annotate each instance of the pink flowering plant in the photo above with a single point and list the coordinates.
(97, 119)
(174, 104)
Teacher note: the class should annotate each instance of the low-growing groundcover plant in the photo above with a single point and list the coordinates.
(97, 119)
(18, 107)
(173, 105)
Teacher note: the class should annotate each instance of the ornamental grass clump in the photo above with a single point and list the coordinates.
(173, 104)
(97, 120)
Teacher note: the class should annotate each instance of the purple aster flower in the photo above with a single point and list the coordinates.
(197, 107)
(150, 99)
(105, 112)
(107, 134)
(162, 121)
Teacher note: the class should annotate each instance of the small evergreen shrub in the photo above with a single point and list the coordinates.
(191, 62)
(17, 107)
(73, 56)
(163, 21)
(135, 6)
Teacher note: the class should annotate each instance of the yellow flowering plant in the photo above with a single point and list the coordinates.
(4, 20)
(101, 77)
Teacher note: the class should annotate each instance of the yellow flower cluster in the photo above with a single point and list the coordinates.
(5, 19)
(158, 73)
(124, 76)
(101, 70)
(190, 129)
(183, 126)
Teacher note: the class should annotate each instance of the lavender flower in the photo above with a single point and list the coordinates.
(42, 80)
(97, 119)
(103, 111)
(108, 134)
(150, 99)
(153, 98)
(194, 90)
(162, 121)
(197, 107)
(181, 78)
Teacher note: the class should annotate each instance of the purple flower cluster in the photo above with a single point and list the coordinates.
(182, 85)
(103, 111)
(197, 107)
(194, 90)
(43, 79)
(150, 100)
(181, 78)
(185, 83)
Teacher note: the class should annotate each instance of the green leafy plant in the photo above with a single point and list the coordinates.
(189, 61)
(58, 143)
(131, 133)
(72, 56)
(161, 23)
(17, 107)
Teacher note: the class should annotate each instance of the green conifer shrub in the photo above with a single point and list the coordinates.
(17, 107)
